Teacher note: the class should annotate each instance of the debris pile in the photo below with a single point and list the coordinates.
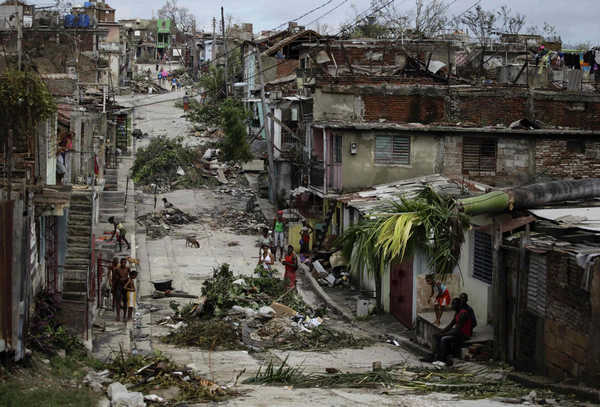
(143, 85)
(256, 313)
(159, 224)
(149, 374)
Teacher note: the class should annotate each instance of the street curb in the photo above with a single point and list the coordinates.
(585, 393)
(326, 298)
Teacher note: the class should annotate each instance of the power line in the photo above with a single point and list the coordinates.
(305, 14)
(329, 12)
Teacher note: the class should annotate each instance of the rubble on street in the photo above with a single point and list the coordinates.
(159, 224)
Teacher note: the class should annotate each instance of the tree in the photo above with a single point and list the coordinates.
(429, 222)
(511, 23)
(180, 17)
(430, 17)
(481, 24)
(235, 145)
(549, 31)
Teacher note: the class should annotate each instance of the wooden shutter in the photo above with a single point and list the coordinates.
(479, 156)
(392, 150)
(482, 257)
(536, 284)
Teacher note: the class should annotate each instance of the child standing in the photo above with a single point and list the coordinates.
(130, 292)
(442, 297)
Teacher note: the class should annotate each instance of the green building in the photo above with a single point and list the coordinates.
(163, 40)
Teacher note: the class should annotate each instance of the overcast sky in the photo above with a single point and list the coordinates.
(576, 21)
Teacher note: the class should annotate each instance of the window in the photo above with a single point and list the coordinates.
(392, 150)
(536, 284)
(482, 257)
(479, 155)
(337, 145)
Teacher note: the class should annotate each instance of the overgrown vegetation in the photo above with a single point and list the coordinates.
(24, 102)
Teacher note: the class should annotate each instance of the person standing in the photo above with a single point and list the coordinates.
(266, 258)
(121, 235)
(305, 237)
(266, 240)
(119, 280)
(129, 289)
(278, 231)
(442, 297)
(291, 265)
(173, 84)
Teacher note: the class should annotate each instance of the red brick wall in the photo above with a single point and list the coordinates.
(553, 158)
(582, 115)
(408, 109)
(490, 110)
(287, 67)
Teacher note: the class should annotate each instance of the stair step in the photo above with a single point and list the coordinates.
(74, 286)
(75, 296)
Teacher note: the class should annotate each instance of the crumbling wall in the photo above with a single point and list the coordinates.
(567, 158)
(568, 318)
(574, 112)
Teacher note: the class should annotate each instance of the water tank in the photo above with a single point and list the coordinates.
(84, 21)
(69, 21)
(87, 4)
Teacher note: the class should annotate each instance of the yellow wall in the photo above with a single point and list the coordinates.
(294, 234)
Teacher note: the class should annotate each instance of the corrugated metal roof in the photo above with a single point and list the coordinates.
(375, 198)
(566, 217)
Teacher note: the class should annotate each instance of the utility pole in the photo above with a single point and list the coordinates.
(19, 36)
(214, 40)
(272, 186)
(225, 45)
(9, 163)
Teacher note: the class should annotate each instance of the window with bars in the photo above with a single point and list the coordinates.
(337, 145)
(479, 155)
(392, 150)
(482, 257)
(536, 284)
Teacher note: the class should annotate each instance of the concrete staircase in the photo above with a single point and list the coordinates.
(111, 179)
(79, 236)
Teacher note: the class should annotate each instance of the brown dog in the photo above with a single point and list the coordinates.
(192, 242)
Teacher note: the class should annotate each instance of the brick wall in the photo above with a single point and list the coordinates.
(512, 161)
(576, 114)
(561, 158)
(486, 110)
(408, 109)
(568, 318)
(287, 67)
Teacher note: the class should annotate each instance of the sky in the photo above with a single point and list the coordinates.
(576, 22)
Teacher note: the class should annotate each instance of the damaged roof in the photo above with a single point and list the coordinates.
(288, 40)
(587, 218)
(376, 197)
(432, 128)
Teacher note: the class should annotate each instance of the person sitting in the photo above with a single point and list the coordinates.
(291, 266)
(465, 298)
(453, 336)
(442, 297)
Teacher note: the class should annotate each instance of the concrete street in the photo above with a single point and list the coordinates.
(169, 258)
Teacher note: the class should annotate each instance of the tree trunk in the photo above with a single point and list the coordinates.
(378, 291)
(531, 196)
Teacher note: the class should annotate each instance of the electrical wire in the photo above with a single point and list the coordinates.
(329, 12)
(305, 14)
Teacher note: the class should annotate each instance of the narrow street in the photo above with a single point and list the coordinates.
(169, 258)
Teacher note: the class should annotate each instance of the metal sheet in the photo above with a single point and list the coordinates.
(582, 218)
